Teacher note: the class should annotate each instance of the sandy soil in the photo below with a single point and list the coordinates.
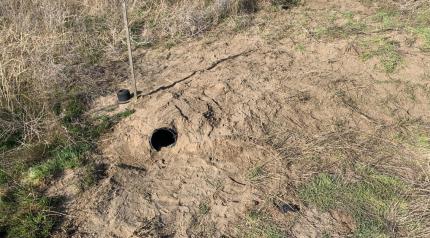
(224, 94)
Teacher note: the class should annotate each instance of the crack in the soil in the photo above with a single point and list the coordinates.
(212, 66)
(182, 113)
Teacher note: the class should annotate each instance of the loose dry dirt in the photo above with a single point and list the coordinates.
(224, 94)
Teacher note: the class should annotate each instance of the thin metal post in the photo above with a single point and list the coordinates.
(130, 55)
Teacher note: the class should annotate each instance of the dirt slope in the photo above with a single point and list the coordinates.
(226, 94)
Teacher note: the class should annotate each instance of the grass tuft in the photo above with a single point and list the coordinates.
(424, 33)
(368, 200)
(63, 158)
(387, 51)
(25, 211)
(25, 215)
(204, 208)
(256, 173)
(259, 225)
(388, 19)
(423, 141)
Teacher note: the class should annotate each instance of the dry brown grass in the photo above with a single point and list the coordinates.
(345, 153)
(53, 44)
(155, 20)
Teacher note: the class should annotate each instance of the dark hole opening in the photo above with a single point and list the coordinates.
(163, 137)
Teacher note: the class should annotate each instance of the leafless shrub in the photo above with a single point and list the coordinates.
(178, 19)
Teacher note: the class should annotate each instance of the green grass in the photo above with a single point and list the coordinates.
(24, 214)
(259, 225)
(67, 156)
(423, 141)
(385, 50)
(3, 177)
(63, 158)
(204, 208)
(301, 48)
(352, 26)
(424, 33)
(419, 25)
(89, 177)
(388, 19)
(368, 200)
(24, 211)
(256, 173)
(71, 109)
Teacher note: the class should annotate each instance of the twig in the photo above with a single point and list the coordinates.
(234, 180)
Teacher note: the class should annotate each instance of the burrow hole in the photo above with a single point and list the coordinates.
(163, 137)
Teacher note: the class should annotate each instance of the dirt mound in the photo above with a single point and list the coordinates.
(224, 95)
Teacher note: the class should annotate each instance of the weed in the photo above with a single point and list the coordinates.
(72, 156)
(352, 26)
(424, 33)
(301, 48)
(423, 17)
(3, 177)
(89, 177)
(91, 49)
(25, 214)
(25, 210)
(204, 208)
(137, 32)
(256, 173)
(63, 158)
(125, 114)
(74, 107)
(423, 141)
(410, 90)
(242, 22)
(367, 200)
(322, 192)
(260, 225)
(90, 53)
(326, 235)
(386, 50)
(388, 19)
(106, 122)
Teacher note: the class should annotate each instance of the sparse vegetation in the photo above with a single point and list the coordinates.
(256, 173)
(389, 20)
(384, 49)
(56, 57)
(204, 208)
(340, 25)
(26, 211)
(420, 26)
(369, 200)
(258, 225)
(63, 158)
(26, 214)
(48, 48)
